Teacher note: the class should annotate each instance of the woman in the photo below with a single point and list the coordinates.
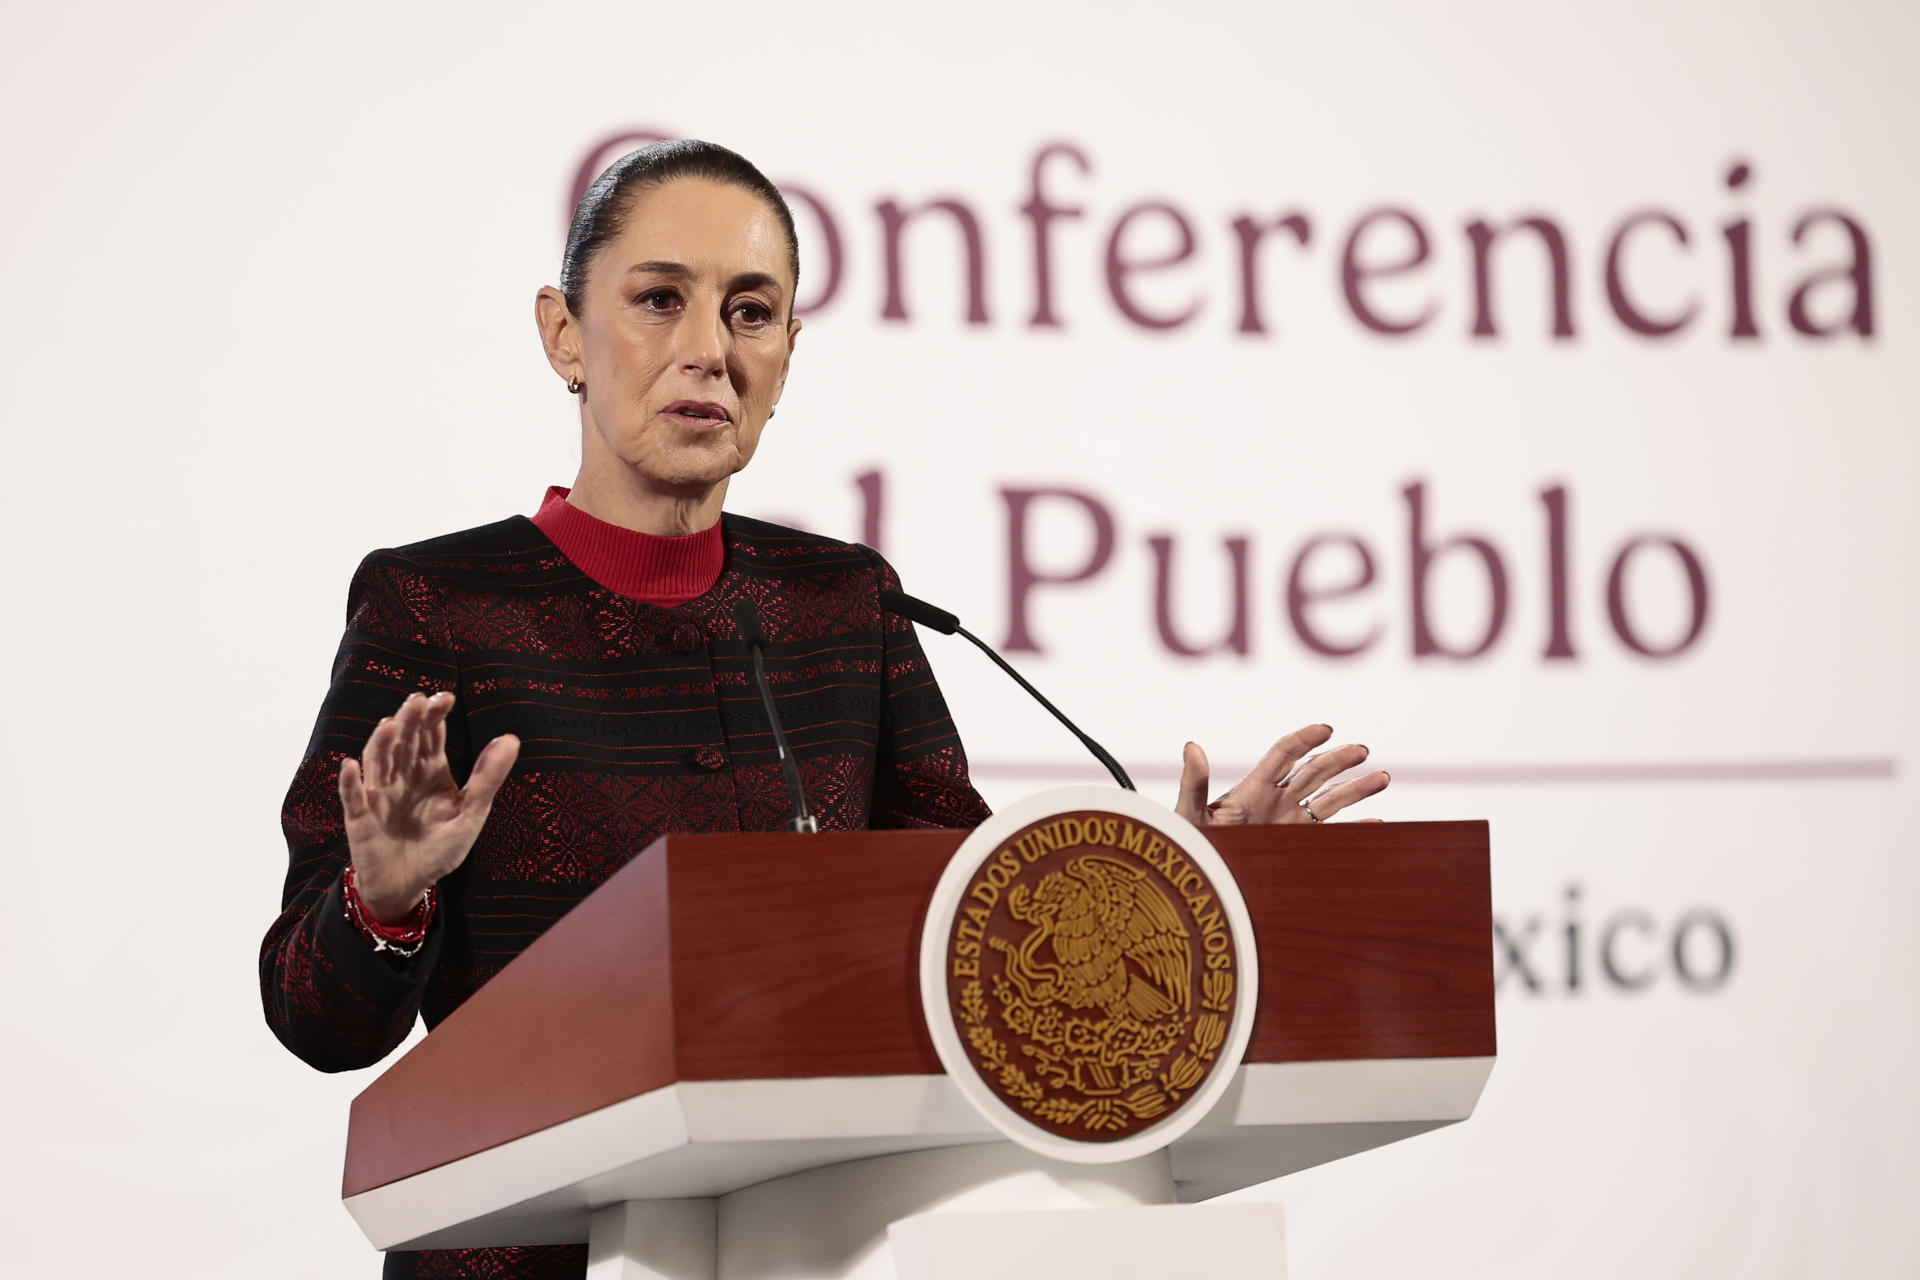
(570, 687)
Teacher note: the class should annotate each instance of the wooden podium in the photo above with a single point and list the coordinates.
(718, 1064)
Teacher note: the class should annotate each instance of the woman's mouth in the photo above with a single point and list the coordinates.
(698, 413)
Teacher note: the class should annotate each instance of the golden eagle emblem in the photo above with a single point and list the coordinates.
(1103, 1010)
(1095, 917)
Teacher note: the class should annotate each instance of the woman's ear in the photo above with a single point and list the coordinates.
(559, 334)
(793, 336)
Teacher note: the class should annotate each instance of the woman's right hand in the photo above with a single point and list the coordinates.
(408, 823)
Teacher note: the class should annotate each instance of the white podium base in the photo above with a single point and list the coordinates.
(1145, 1242)
(940, 1215)
(654, 1240)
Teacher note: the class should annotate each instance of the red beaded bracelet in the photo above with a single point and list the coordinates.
(403, 939)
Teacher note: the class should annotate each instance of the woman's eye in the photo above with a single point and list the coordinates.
(659, 299)
(752, 314)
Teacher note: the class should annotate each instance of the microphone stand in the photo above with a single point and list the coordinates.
(747, 618)
(917, 610)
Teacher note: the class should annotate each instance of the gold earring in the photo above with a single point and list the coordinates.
(575, 386)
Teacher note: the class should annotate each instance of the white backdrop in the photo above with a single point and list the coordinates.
(268, 277)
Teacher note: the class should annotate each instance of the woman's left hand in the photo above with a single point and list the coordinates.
(1274, 789)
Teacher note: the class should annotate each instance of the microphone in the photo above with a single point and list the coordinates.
(746, 616)
(917, 610)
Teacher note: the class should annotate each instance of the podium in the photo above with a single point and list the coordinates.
(718, 1064)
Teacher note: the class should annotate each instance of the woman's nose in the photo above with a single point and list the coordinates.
(702, 341)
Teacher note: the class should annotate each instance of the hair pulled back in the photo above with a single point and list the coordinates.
(603, 211)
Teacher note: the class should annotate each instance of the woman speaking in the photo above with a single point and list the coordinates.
(517, 709)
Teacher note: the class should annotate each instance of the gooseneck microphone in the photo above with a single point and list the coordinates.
(746, 616)
(917, 610)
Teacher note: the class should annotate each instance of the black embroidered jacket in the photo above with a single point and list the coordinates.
(634, 720)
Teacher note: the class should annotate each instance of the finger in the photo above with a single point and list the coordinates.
(399, 756)
(376, 759)
(433, 743)
(353, 791)
(1280, 757)
(1192, 804)
(406, 751)
(1336, 798)
(1316, 771)
(414, 714)
(489, 771)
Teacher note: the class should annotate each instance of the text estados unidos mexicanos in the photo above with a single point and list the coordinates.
(1005, 866)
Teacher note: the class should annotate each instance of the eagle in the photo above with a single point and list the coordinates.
(1090, 920)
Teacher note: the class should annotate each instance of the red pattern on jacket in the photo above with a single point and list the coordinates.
(634, 720)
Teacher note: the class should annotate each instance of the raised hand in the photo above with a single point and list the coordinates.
(408, 823)
(1273, 790)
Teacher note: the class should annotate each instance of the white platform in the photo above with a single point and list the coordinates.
(701, 1141)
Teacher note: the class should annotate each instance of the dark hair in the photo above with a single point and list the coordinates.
(602, 213)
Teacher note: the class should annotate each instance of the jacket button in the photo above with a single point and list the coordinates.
(708, 758)
(687, 638)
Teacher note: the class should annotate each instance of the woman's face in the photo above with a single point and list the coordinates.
(686, 335)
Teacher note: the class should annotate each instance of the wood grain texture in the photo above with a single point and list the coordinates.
(761, 956)
(799, 966)
(1375, 940)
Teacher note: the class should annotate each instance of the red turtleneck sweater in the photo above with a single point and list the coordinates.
(645, 566)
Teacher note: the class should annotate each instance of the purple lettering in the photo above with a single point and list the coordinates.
(1235, 640)
(829, 243)
(1425, 644)
(1482, 235)
(1119, 267)
(1739, 252)
(1623, 306)
(1559, 641)
(1251, 233)
(1617, 597)
(873, 505)
(1354, 273)
(1023, 577)
(893, 220)
(1301, 595)
(1858, 272)
(1041, 213)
